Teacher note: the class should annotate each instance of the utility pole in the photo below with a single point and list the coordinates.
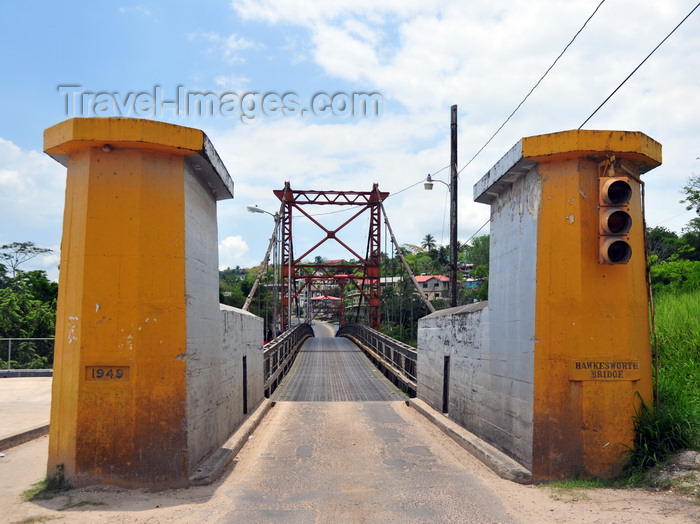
(453, 208)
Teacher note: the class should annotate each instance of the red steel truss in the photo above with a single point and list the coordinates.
(296, 275)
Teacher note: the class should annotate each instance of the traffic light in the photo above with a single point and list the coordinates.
(614, 220)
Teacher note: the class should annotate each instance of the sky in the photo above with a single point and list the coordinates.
(265, 61)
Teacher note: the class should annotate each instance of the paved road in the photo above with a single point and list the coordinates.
(355, 462)
(25, 403)
(341, 445)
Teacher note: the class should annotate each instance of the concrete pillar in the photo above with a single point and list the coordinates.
(576, 330)
(138, 298)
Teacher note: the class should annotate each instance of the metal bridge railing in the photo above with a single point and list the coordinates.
(395, 359)
(26, 353)
(279, 355)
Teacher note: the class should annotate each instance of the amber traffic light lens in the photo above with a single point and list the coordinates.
(619, 222)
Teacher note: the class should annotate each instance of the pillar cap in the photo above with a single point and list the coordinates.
(76, 134)
(530, 151)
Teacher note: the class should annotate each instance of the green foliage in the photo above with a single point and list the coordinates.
(692, 194)
(235, 285)
(673, 422)
(428, 242)
(676, 276)
(49, 487)
(662, 243)
(691, 239)
(27, 310)
(3, 276)
(231, 283)
(477, 252)
(659, 432)
(28, 306)
(401, 308)
(581, 483)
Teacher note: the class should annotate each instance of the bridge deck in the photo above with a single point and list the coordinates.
(341, 445)
(334, 370)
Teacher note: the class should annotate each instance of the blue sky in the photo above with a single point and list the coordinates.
(420, 56)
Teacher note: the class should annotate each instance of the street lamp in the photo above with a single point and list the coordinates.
(256, 209)
(452, 186)
(275, 264)
(428, 186)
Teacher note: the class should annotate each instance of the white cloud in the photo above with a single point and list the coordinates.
(32, 188)
(485, 56)
(229, 46)
(232, 83)
(308, 12)
(233, 251)
(137, 9)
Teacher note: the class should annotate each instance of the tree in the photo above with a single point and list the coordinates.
(477, 252)
(662, 244)
(18, 253)
(692, 194)
(428, 242)
(3, 276)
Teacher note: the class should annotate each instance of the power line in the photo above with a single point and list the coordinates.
(534, 87)
(419, 182)
(391, 194)
(477, 231)
(640, 65)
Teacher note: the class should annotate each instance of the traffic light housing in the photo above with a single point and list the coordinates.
(614, 221)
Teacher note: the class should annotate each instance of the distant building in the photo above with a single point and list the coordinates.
(434, 286)
(472, 283)
(355, 297)
(324, 307)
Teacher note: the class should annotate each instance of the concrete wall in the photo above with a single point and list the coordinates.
(510, 357)
(490, 344)
(215, 397)
(482, 398)
(218, 336)
(456, 333)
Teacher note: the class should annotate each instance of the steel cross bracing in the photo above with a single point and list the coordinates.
(297, 276)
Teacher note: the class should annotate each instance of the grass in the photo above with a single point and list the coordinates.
(47, 488)
(574, 490)
(51, 487)
(673, 422)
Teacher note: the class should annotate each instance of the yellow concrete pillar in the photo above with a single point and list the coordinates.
(590, 349)
(119, 408)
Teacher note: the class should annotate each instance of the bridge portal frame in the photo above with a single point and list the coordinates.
(364, 274)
